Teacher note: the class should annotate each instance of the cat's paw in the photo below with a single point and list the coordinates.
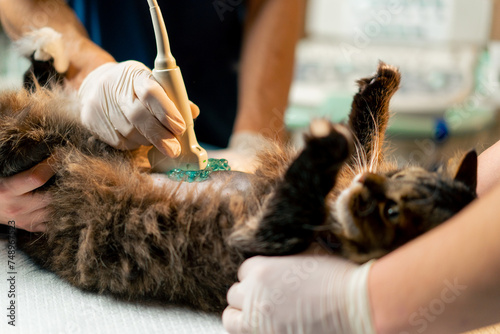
(387, 79)
(270, 236)
(334, 141)
(45, 49)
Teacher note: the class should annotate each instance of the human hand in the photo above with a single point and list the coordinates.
(126, 107)
(242, 151)
(299, 294)
(20, 204)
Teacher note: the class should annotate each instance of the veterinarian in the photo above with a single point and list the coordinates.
(235, 55)
(446, 281)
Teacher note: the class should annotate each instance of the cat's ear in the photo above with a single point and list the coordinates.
(467, 171)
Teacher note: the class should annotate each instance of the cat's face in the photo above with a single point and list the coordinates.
(383, 211)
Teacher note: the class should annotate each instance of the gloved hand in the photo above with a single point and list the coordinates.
(299, 294)
(126, 107)
(19, 203)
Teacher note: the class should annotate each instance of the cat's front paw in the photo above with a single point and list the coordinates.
(290, 216)
(333, 141)
(387, 80)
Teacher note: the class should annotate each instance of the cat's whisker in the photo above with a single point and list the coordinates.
(351, 170)
(359, 157)
(375, 149)
(38, 238)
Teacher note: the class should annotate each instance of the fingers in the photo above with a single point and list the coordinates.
(150, 129)
(127, 108)
(24, 205)
(248, 266)
(232, 320)
(156, 101)
(93, 116)
(154, 116)
(195, 110)
(29, 211)
(235, 296)
(20, 204)
(33, 221)
(26, 181)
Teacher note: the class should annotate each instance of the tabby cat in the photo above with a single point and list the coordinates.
(119, 230)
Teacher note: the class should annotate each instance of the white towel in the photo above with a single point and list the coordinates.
(46, 304)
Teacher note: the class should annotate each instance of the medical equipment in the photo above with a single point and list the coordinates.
(168, 74)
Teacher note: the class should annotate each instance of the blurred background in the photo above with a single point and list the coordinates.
(448, 52)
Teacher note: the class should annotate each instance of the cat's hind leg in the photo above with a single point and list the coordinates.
(293, 212)
(34, 125)
(370, 112)
(31, 126)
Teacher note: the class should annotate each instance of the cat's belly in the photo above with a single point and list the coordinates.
(225, 183)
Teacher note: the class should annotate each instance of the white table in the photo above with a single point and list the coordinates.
(46, 304)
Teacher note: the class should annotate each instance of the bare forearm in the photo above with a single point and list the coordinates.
(445, 281)
(488, 169)
(267, 65)
(21, 16)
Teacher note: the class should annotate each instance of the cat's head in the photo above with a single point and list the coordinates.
(380, 212)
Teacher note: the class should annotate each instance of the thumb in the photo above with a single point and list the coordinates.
(195, 110)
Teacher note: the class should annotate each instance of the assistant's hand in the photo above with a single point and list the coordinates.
(20, 204)
(299, 294)
(127, 107)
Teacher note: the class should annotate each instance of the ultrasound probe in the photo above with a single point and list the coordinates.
(168, 74)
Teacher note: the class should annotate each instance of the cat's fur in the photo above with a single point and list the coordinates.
(114, 229)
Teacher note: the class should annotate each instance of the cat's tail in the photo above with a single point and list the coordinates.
(44, 48)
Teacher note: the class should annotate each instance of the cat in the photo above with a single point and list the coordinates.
(117, 229)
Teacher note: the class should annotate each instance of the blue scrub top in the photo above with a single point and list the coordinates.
(205, 38)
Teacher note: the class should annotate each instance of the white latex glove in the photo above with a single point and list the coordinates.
(126, 107)
(299, 294)
(242, 150)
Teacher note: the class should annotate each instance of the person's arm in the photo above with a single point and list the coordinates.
(446, 281)
(21, 16)
(488, 169)
(464, 250)
(272, 30)
(18, 201)
(121, 102)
